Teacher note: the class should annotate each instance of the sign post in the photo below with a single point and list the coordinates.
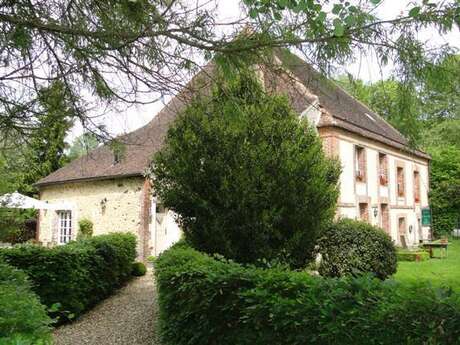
(426, 216)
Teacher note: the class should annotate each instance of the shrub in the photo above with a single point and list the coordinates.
(211, 301)
(85, 228)
(71, 278)
(445, 188)
(247, 178)
(22, 317)
(355, 247)
(412, 255)
(139, 269)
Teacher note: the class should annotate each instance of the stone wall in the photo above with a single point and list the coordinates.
(112, 206)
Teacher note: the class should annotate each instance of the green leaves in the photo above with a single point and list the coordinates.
(339, 29)
(415, 11)
(71, 278)
(22, 316)
(207, 300)
(356, 248)
(246, 178)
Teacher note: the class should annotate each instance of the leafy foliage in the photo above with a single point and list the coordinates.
(221, 302)
(69, 279)
(106, 52)
(396, 102)
(355, 247)
(406, 255)
(246, 177)
(85, 228)
(82, 145)
(45, 151)
(139, 269)
(23, 320)
(445, 189)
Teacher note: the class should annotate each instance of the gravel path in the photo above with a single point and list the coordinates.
(126, 318)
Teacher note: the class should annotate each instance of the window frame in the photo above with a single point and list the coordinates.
(385, 217)
(364, 216)
(360, 163)
(400, 181)
(417, 189)
(383, 169)
(64, 227)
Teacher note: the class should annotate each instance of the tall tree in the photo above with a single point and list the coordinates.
(82, 145)
(45, 150)
(134, 51)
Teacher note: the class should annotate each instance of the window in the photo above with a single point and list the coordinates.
(363, 212)
(117, 157)
(385, 217)
(416, 186)
(360, 161)
(383, 169)
(400, 181)
(402, 231)
(65, 226)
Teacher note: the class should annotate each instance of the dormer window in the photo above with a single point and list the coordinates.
(119, 150)
(116, 157)
(360, 163)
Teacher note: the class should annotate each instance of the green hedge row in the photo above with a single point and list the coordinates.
(71, 278)
(23, 320)
(206, 300)
(412, 256)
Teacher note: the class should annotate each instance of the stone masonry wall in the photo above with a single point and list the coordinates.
(112, 206)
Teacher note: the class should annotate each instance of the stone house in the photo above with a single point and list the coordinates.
(384, 181)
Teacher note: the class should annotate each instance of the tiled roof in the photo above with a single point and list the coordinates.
(346, 112)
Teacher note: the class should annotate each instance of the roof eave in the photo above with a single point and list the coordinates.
(86, 179)
(370, 135)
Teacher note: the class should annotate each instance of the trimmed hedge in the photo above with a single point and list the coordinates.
(23, 320)
(139, 269)
(71, 278)
(206, 300)
(351, 247)
(412, 256)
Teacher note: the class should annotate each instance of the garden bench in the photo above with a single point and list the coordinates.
(439, 244)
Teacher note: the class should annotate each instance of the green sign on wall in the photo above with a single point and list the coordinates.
(426, 216)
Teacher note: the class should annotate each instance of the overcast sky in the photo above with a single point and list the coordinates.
(365, 68)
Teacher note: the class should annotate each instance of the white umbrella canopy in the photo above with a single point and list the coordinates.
(17, 200)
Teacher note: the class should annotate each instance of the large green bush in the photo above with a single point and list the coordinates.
(204, 300)
(139, 269)
(23, 320)
(248, 178)
(355, 247)
(71, 278)
(445, 188)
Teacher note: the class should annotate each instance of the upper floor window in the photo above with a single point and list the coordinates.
(400, 182)
(360, 161)
(65, 226)
(383, 169)
(416, 186)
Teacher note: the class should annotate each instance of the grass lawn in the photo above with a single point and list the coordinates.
(440, 272)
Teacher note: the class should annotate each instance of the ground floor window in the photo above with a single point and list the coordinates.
(402, 231)
(65, 226)
(385, 217)
(364, 212)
